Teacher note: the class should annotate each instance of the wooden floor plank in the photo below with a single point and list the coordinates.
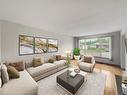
(110, 71)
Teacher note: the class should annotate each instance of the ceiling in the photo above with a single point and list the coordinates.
(69, 17)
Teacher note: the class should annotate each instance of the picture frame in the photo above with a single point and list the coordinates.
(40, 45)
(26, 45)
(52, 45)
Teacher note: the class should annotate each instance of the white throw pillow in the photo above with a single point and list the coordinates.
(0, 83)
(5, 76)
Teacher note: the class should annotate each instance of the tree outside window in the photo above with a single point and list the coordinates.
(100, 47)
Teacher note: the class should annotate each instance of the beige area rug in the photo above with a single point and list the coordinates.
(94, 86)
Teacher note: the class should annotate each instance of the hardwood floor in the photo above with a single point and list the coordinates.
(110, 71)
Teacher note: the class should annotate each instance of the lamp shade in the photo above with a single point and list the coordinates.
(68, 51)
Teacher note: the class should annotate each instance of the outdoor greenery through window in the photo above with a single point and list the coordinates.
(100, 47)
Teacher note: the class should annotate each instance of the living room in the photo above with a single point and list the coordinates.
(59, 47)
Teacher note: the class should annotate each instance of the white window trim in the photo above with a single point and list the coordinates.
(100, 37)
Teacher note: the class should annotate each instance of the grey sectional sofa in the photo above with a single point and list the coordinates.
(46, 69)
(26, 84)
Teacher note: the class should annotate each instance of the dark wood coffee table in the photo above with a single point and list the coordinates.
(69, 83)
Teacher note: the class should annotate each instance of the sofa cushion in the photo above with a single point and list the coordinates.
(5, 76)
(58, 57)
(87, 59)
(13, 73)
(51, 60)
(19, 65)
(60, 63)
(36, 71)
(36, 62)
(28, 61)
(24, 85)
(85, 66)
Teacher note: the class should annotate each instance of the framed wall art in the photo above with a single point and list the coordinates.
(52, 45)
(26, 45)
(40, 45)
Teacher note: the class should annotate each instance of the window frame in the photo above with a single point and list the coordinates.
(84, 38)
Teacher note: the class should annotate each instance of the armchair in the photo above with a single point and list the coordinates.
(86, 66)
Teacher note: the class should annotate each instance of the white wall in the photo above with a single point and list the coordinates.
(11, 31)
(124, 33)
(0, 41)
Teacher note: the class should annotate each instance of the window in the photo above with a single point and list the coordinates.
(100, 47)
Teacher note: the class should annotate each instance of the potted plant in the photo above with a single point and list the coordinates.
(76, 53)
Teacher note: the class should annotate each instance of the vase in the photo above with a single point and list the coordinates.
(76, 57)
(68, 72)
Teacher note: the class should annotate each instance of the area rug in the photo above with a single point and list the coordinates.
(94, 86)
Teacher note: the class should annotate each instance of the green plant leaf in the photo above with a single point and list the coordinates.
(76, 51)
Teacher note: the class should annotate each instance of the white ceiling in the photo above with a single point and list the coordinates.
(70, 17)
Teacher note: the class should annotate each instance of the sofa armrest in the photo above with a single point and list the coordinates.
(93, 60)
(92, 67)
(81, 60)
(93, 64)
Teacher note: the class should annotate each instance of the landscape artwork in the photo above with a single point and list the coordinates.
(26, 45)
(40, 45)
(52, 45)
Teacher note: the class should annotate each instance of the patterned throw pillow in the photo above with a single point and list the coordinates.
(36, 62)
(12, 72)
(51, 60)
(18, 65)
(87, 59)
(58, 57)
(5, 76)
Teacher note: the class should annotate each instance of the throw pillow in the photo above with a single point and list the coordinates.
(5, 76)
(63, 58)
(13, 73)
(87, 59)
(36, 62)
(18, 65)
(51, 60)
(0, 82)
(58, 57)
(54, 57)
